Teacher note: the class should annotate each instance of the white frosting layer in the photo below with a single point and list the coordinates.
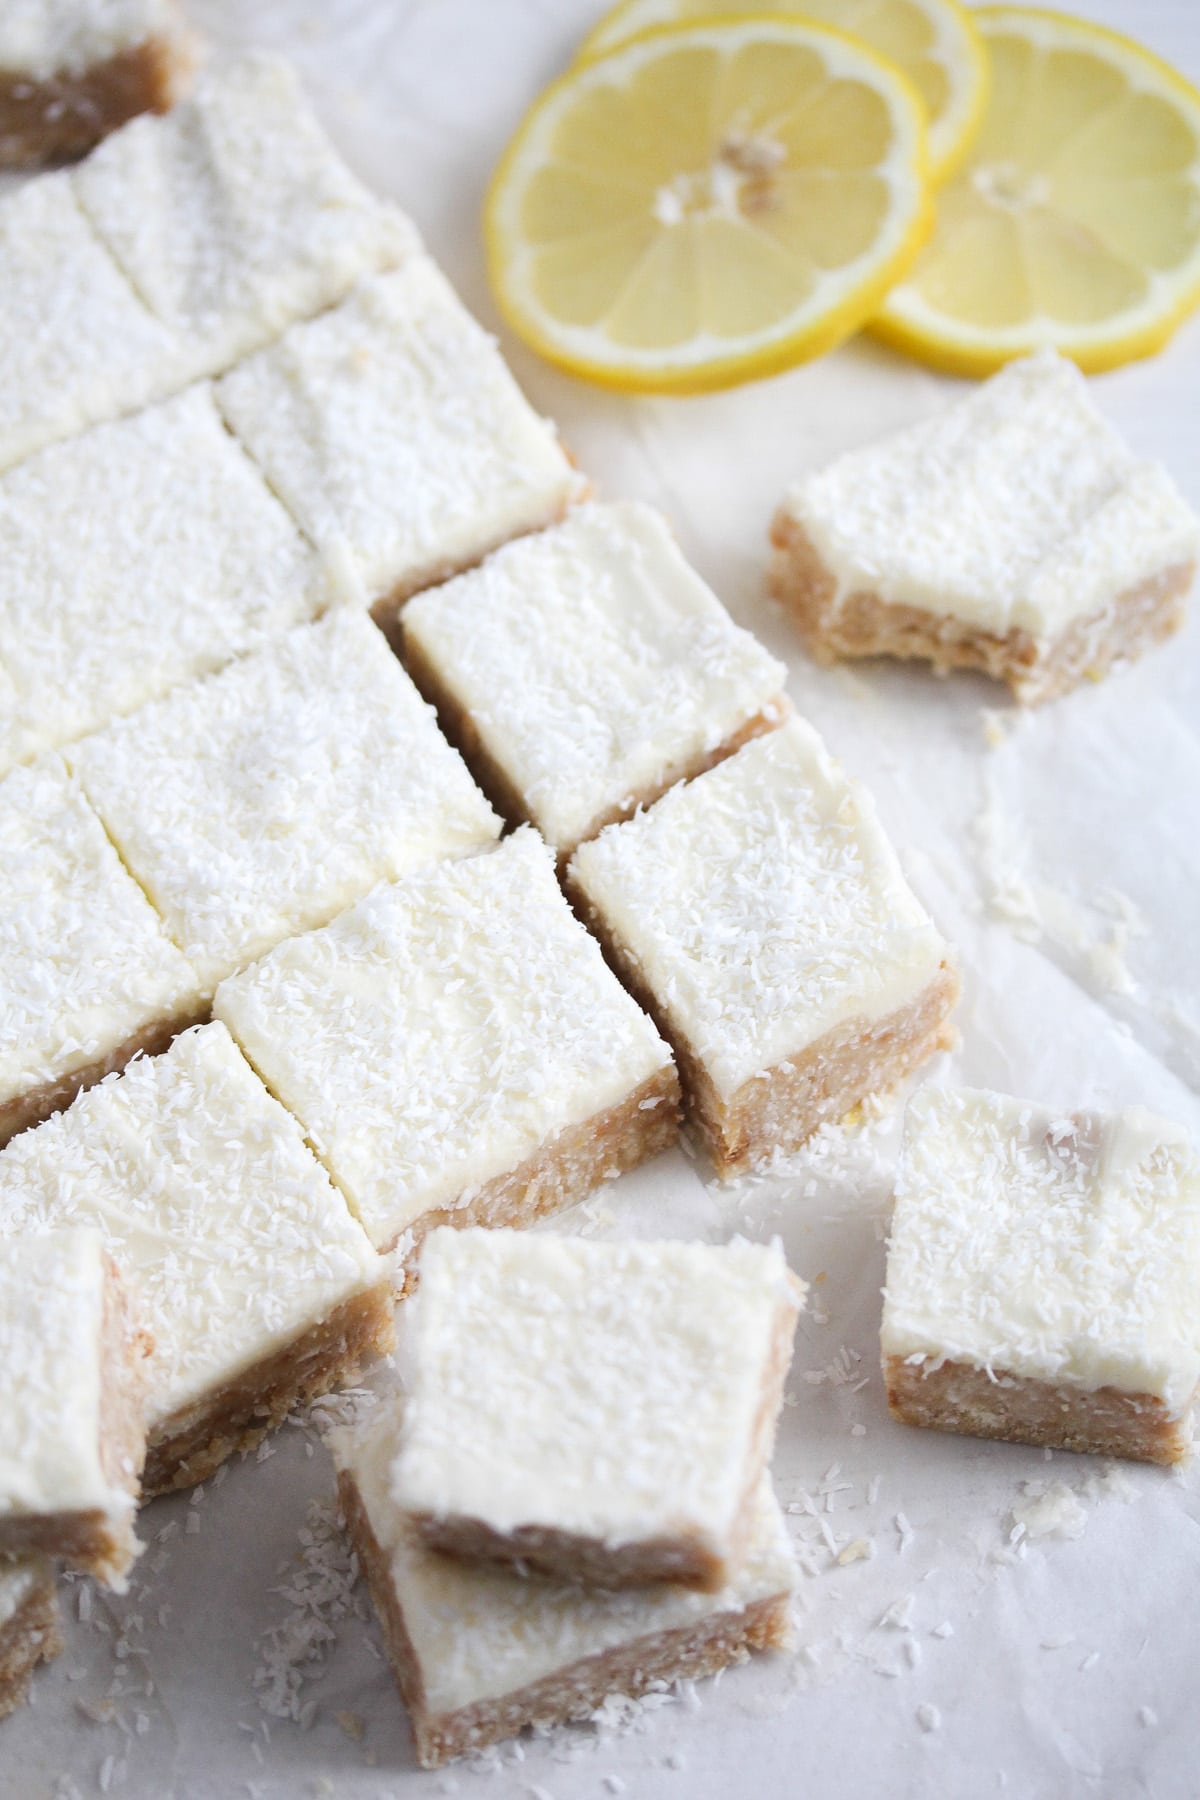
(233, 215)
(84, 960)
(764, 905)
(52, 1292)
(595, 664)
(607, 1390)
(441, 1031)
(41, 38)
(1066, 1249)
(1017, 507)
(135, 557)
(261, 802)
(207, 1195)
(19, 1576)
(76, 342)
(395, 433)
(479, 1633)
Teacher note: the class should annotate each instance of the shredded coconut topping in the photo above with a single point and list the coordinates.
(1059, 1248)
(439, 1032)
(594, 663)
(764, 906)
(1018, 506)
(40, 38)
(262, 802)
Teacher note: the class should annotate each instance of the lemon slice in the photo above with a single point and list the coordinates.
(1075, 220)
(708, 204)
(933, 42)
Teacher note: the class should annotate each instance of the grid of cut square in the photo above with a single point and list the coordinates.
(77, 344)
(258, 1287)
(527, 1440)
(88, 975)
(233, 215)
(1043, 1277)
(587, 668)
(70, 1403)
(1014, 531)
(263, 801)
(135, 557)
(480, 1653)
(456, 1048)
(395, 433)
(763, 914)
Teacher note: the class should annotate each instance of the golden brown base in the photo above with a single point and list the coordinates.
(781, 1109)
(1099, 1421)
(566, 1170)
(65, 116)
(191, 1445)
(862, 624)
(37, 1104)
(102, 1542)
(30, 1637)
(458, 724)
(687, 1654)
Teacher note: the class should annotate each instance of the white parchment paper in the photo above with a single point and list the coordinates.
(974, 1618)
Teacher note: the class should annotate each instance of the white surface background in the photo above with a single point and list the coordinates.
(1063, 862)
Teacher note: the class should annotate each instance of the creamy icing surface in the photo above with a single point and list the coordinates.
(481, 1633)
(1062, 1248)
(441, 1031)
(84, 960)
(764, 905)
(594, 663)
(397, 436)
(523, 1408)
(77, 344)
(232, 215)
(52, 1291)
(264, 800)
(41, 38)
(134, 557)
(1016, 507)
(208, 1197)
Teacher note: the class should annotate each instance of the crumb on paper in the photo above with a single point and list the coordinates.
(928, 1717)
(859, 1549)
(1050, 1509)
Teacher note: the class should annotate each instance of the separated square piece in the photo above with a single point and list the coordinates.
(1043, 1277)
(71, 1418)
(263, 801)
(585, 669)
(73, 70)
(396, 435)
(88, 975)
(1014, 532)
(234, 215)
(136, 557)
(761, 916)
(77, 343)
(29, 1632)
(602, 1412)
(259, 1289)
(480, 1653)
(456, 1049)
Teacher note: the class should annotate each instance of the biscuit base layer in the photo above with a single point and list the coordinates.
(30, 1637)
(565, 1170)
(686, 1559)
(862, 624)
(102, 1542)
(61, 118)
(191, 1445)
(687, 1654)
(459, 726)
(38, 1103)
(1019, 1410)
(780, 1109)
